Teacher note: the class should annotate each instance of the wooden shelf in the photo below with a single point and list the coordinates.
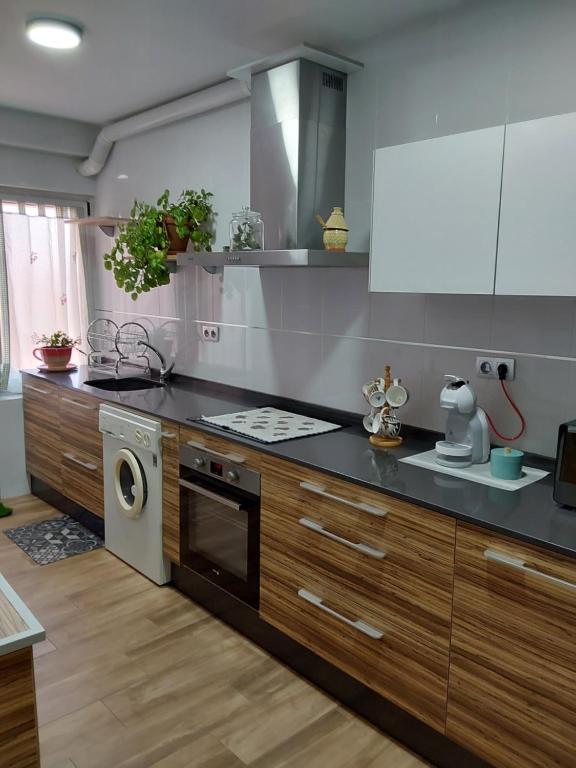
(107, 224)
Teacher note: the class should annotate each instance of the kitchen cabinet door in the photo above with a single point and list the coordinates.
(42, 430)
(537, 240)
(512, 691)
(435, 214)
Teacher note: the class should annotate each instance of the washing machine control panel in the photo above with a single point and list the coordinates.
(131, 430)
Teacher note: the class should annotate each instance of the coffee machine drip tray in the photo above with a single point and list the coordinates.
(477, 473)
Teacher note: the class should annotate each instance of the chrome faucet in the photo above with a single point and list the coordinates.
(164, 371)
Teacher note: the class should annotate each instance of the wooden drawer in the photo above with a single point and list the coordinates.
(248, 457)
(79, 422)
(170, 492)
(402, 555)
(82, 478)
(354, 634)
(369, 557)
(42, 429)
(512, 696)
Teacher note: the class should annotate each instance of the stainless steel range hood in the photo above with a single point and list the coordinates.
(297, 163)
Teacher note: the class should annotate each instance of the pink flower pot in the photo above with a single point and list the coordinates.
(53, 357)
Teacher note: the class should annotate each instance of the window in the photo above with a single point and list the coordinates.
(42, 286)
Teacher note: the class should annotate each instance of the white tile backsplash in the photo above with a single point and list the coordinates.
(396, 316)
(302, 299)
(538, 324)
(460, 321)
(345, 311)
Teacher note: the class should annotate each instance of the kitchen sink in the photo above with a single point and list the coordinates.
(127, 384)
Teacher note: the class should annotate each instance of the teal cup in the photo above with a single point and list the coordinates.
(506, 463)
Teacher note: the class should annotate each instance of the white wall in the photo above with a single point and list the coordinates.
(41, 152)
(317, 334)
(13, 478)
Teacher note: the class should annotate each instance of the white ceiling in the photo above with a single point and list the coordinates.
(138, 53)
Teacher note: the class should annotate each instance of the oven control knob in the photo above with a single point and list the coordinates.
(232, 476)
(199, 462)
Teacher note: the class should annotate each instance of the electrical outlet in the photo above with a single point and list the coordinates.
(211, 333)
(487, 367)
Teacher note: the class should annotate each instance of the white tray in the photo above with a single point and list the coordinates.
(478, 473)
(270, 425)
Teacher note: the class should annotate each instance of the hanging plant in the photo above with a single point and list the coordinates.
(138, 257)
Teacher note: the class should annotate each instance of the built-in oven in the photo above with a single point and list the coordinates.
(220, 521)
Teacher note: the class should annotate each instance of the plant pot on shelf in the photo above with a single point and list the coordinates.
(177, 244)
(53, 357)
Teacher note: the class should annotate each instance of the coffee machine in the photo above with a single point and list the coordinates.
(467, 433)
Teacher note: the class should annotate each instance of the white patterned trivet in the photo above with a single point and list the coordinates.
(270, 425)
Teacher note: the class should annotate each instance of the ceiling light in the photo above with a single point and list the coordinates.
(122, 176)
(52, 33)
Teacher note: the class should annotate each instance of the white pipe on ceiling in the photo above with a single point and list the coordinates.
(197, 103)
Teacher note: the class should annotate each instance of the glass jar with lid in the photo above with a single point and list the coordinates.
(246, 231)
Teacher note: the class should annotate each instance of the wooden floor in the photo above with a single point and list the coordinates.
(136, 676)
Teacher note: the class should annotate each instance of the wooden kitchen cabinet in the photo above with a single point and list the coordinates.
(512, 693)
(170, 492)
(79, 426)
(363, 580)
(83, 478)
(435, 214)
(42, 430)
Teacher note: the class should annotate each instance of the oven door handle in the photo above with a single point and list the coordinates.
(210, 494)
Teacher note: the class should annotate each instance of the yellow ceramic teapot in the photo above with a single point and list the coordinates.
(335, 230)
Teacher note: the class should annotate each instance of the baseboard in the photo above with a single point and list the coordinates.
(13, 491)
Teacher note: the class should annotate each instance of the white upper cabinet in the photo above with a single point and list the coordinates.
(537, 241)
(435, 214)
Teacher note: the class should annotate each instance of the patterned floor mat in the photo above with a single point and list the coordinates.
(52, 540)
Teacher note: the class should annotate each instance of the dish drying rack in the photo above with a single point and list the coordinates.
(111, 345)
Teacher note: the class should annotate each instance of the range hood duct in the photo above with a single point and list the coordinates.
(297, 150)
(197, 103)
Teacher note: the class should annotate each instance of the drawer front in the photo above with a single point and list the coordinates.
(344, 628)
(42, 430)
(83, 479)
(407, 599)
(402, 558)
(79, 422)
(170, 493)
(513, 671)
(218, 445)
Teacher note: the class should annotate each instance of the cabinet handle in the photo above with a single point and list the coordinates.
(36, 389)
(358, 624)
(365, 549)
(77, 404)
(210, 495)
(168, 435)
(520, 565)
(233, 457)
(362, 506)
(85, 464)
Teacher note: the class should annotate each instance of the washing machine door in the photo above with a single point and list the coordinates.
(129, 481)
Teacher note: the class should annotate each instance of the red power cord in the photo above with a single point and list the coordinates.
(518, 412)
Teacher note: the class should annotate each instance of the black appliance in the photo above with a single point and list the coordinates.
(220, 520)
(565, 474)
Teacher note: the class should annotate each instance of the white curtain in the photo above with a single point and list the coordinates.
(46, 287)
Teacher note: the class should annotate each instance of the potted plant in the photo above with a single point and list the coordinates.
(55, 350)
(138, 257)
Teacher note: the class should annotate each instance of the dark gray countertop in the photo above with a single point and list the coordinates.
(529, 514)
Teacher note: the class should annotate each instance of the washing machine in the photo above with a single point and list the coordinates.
(132, 447)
